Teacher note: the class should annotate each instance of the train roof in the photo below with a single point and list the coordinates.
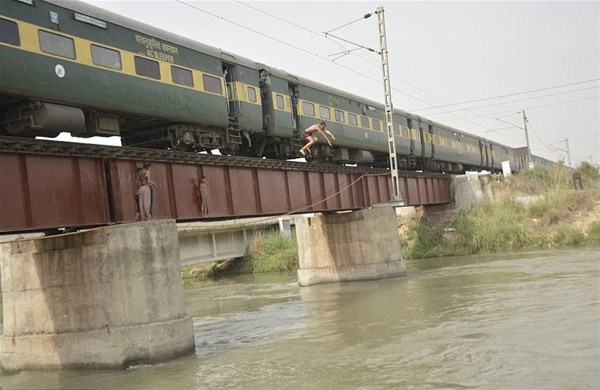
(107, 16)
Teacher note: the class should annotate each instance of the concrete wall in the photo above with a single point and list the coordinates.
(107, 297)
(360, 245)
(470, 188)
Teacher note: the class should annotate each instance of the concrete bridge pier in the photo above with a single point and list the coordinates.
(359, 245)
(107, 297)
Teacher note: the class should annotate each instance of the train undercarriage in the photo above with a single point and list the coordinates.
(32, 117)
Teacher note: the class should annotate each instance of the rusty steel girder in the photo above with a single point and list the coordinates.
(42, 192)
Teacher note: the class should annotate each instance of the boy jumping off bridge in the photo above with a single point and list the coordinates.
(312, 139)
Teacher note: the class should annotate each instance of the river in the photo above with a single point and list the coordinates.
(505, 321)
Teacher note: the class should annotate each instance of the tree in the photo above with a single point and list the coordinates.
(588, 171)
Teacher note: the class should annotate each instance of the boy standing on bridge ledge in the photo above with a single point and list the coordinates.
(145, 194)
(312, 139)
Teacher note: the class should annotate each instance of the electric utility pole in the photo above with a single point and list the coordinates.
(389, 110)
(529, 160)
(566, 150)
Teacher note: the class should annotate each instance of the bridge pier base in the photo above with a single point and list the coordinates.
(360, 245)
(107, 297)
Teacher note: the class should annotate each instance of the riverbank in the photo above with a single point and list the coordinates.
(537, 209)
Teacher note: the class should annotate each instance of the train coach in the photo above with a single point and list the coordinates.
(69, 66)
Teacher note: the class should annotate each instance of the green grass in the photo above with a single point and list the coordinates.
(505, 224)
(565, 234)
(270, 252)
(491, 227)
(594, 233)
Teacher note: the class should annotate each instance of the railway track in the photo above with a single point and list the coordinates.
(60, 148)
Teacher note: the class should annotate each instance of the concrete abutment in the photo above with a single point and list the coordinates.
(107, 297)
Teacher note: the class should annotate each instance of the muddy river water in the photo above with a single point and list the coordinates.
(505, 321)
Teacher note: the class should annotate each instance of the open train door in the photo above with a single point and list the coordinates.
(482, 155)
(233, 109)
(295, 102)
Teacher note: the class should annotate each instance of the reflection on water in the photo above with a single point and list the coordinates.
(522, 320)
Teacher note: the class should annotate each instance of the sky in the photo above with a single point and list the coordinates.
(475, 66)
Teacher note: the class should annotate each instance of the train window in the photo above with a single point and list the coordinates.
(57, 44)
(436, 139)
(324, 112)
(252, 94)
(376, 124)
(427, 137)
(280, 102)
(364, 122)
(106, 57)
(182, 76)
(405, 132)
(212, 84)
(308, 108)
(339, 116)
(396, 129)
(147, 68)
(9, 32)
(352, 119)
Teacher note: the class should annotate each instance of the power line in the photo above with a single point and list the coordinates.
(352, 43)
(311, 53)
(342, 54)
(522, 100)
(366, 16)
(325, 35)
(508, 95)
(275, 39)
(528, 108)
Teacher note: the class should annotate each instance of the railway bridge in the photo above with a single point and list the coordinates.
(56, 186)
(113, 296)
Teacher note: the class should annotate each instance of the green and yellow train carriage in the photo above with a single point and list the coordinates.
(70, 66)
(296, 103)
(91, 72)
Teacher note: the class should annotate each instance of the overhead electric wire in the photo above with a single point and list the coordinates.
(522, 100)
(362, 58)
(345, 67)
(366, 16)
(508, 95)
(529, 108)
(275, 39)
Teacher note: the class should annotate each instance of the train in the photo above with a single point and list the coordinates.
(68, 66)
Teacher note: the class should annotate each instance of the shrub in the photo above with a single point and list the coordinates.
(589, 172)
(429, 242)
(539, 207)
(566, 234)
(594, 233)
(270, 252)
(491, 227)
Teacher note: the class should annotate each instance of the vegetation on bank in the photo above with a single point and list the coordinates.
(269, 252)
(536, 209)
